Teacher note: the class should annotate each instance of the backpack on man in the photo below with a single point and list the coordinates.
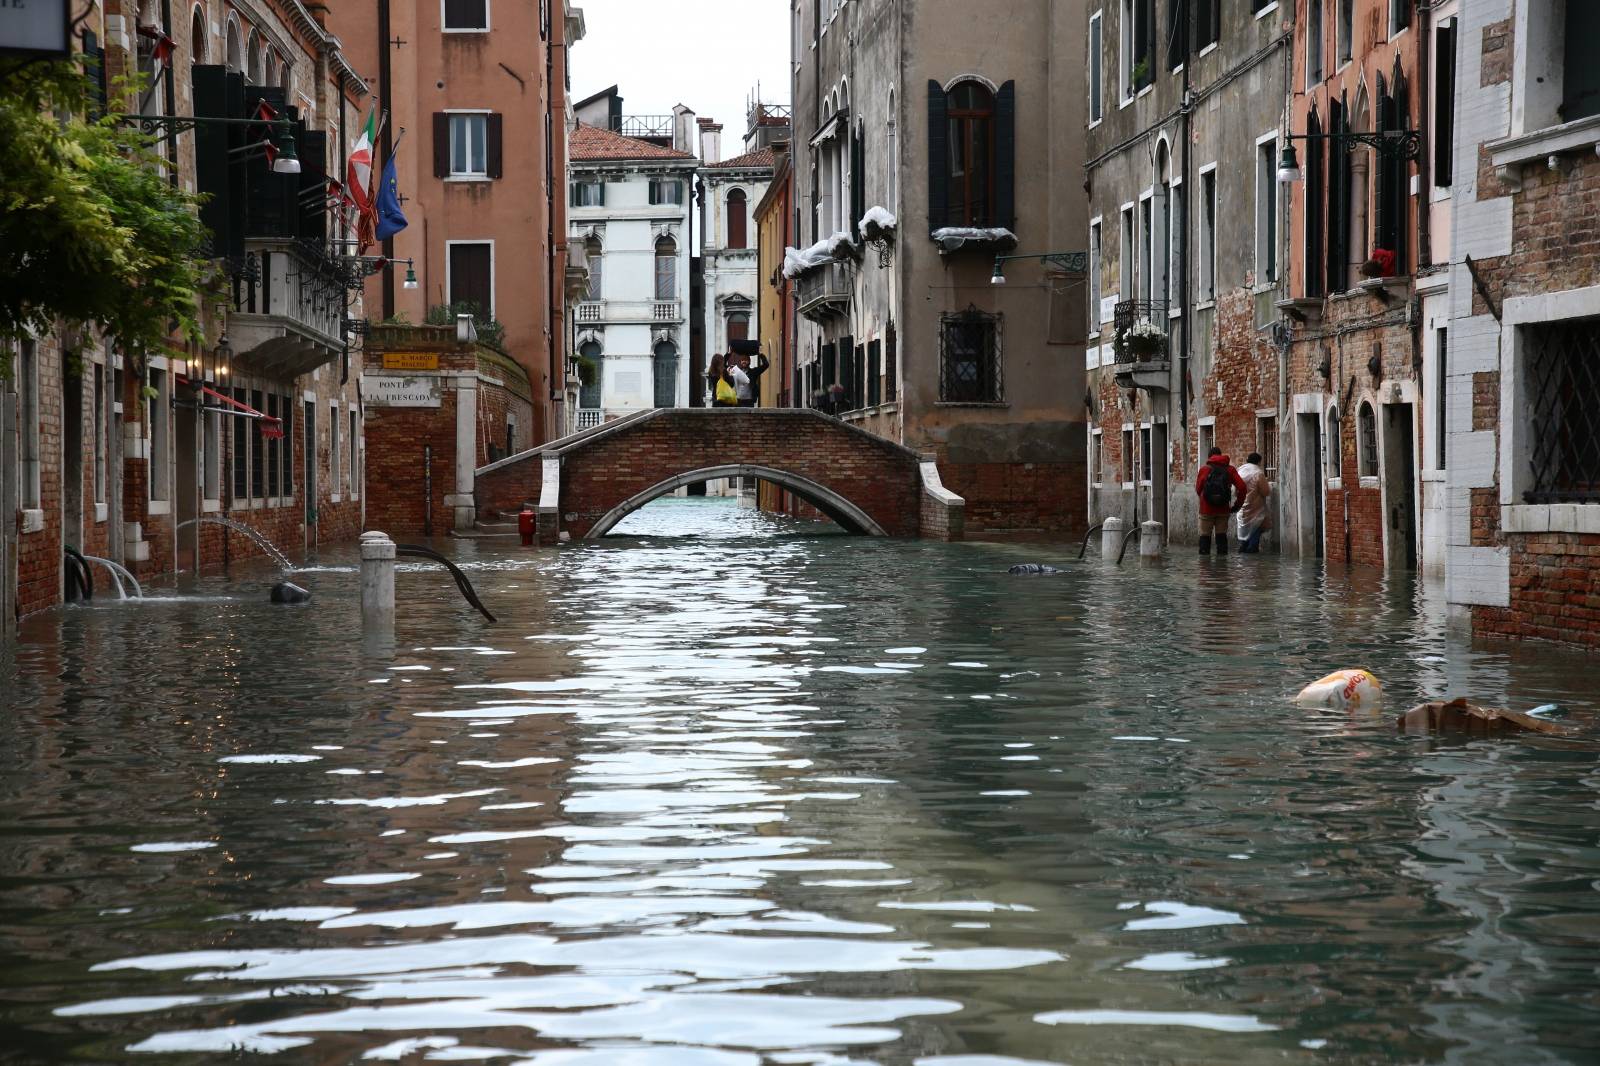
(1218, 489)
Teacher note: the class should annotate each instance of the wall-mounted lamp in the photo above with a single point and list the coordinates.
(1065, 262)
(223, 359)
(999, 277)
(288, 161)
(1406, 144)
(411, 277)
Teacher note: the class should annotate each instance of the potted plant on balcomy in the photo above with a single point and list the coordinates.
(1144, 340)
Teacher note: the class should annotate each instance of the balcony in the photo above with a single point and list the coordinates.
(824, 291)
(591, 311)
(629, 312)
(665, 311)
(288, 308)
(1142, 362)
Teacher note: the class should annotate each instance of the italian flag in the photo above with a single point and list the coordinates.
(358, 174)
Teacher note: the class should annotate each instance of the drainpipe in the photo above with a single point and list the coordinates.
(1184, 110)
(557, 356)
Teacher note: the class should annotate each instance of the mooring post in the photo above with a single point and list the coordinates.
(377, 580)
(1149, 539)
(1110, 539)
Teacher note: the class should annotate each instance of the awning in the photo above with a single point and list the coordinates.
(271, 428)
(831, 128)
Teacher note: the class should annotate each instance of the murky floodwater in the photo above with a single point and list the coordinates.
(724, 794)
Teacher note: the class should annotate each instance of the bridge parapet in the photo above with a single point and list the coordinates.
(583, 484)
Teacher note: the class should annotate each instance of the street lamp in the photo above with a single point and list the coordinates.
(288, 161)
(1402, 144)
(223, 358)
(411, 276)
(1066, 262)
(286, 155)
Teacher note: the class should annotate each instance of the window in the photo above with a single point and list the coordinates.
(1267, 211)
(588, 194)
(160, 423)
(1127, 456)
(197, 37)
(665, 367)
(1393, 192)
(1580, 78)
(1314, 37)
(466, 16)
(29, 478)
(971, 188)
(738, 326)
(235, 52)
(1176, 231)
(591, 374)
(1315, 210)
(1096, 71)
(1399, 15)
(468, 146)
(1207, 288)
(891, 354)
(100, 433)
(1334, 452)
(666, 269)
(1267, 444)
(1138, 46)
(1562, 365)
(1177, 11)
(471, 275)
(1127, 254)
(273, 446)
(1367, 440)
(1146, 231)
(1444, 103)
(258, 456)
(1207, 23)
(593, 252)
(874, 373)
(1207, 438)
(738, 215)
(969, 358)
(241, 451)
(665, 191)
(1261, 6)
(335, 472)
(354, 447)
(1441, 379)
(1338, 215)
(213, 456)
(1347, 26)
(286, 412)
(1092, 303)
(1145, 450)
(1097, 456)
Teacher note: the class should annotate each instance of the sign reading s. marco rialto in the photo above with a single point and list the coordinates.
(36, 27)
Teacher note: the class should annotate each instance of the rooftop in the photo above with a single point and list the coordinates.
(591, 143)
(759, 159)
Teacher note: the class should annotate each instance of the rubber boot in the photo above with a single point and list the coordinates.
(1222, 544)
(1205, 544)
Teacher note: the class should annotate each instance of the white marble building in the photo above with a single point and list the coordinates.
(629, 208)
(731, 189)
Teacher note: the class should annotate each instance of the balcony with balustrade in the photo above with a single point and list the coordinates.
(824, 290)
(1141, 345)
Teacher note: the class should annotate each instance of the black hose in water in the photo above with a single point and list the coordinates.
(1086, 537)
(1131, 534)
(462, 583)
(80, 579)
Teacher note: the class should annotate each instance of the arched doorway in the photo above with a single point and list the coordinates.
(665, 366)
(848, 516)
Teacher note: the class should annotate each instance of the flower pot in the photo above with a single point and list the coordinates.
(1144, 348)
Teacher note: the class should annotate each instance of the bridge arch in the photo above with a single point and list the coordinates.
(824, 499)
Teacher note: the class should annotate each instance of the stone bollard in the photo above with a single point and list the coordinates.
(1149, 539)
(377, 580)
(1111, 539)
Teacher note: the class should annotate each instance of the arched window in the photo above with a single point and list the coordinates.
(666, 374)
(252, 71)
(235, 49)
(589, 391)
(593, 253)
(285, 80)
(971, 190)
(1333, 452)
(1161, 232)
(666, 269)
(738, 327)
(1367, 440)
(737, 214)
(197, 37)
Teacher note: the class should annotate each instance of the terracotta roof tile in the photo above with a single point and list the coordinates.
(762, 157)
(594, 143)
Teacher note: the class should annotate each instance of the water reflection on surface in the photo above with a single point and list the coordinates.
(722, 790)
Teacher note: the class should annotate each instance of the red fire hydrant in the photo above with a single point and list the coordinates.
(525, 526)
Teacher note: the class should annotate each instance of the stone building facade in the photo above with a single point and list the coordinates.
(1522, 372)
(262, 424)
(928, 139)
(1185, 233)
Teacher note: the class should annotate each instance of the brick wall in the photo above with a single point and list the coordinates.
(1555, 591)
(1002, 497)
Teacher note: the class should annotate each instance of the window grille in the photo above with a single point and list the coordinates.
(1367, 444)
(1267, 445)
(970, 368)
(1563, 376)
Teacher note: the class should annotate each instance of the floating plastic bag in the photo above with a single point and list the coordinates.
(1353, 689)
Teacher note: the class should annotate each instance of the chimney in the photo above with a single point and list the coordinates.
(710, 141)
(318, 10)
(684, 137)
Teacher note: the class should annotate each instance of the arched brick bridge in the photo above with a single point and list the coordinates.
(584, 484)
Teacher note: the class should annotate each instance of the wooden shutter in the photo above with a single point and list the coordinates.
(938, 157)
(1444, 104)
(1005, 156)
(494, 129)
(858, 184)
(441, 145)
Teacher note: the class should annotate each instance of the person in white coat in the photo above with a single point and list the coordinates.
(1255, 517)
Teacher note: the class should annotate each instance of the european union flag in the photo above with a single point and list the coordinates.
(390, 218)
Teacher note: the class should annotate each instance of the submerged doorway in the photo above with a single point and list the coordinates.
(1399, 486)
(71, 455)
(1308, 484)
(186, 504)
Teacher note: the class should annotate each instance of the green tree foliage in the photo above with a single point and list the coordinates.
(92, 231)
(490, 331)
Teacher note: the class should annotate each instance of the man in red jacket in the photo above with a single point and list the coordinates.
(1222, 491)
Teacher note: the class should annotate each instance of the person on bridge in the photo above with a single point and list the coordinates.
(719, 384)
(1222, 492)
(750, 393)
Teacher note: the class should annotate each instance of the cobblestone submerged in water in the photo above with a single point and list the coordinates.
(729, 791)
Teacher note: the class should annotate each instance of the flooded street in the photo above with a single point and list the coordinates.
(724, 790)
